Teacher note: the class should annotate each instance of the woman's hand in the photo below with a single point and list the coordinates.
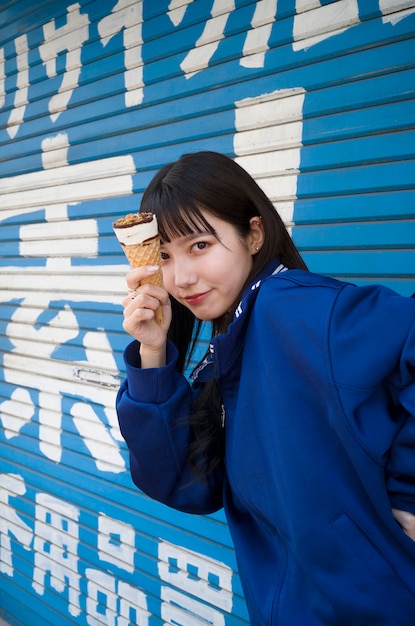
(406, 521)
(140, 306)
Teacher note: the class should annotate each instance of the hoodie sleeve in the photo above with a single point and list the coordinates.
(152, 407)
(400, 469)
(372, 345)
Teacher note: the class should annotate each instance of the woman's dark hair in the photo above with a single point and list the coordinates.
(177, 195)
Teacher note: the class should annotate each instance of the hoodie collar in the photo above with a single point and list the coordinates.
(224, 349)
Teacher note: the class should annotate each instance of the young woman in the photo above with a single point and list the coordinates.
(300, 421)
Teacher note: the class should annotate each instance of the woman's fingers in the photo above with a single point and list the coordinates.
(140, 306)
(147, 296)
(135, 276)
(406, 520)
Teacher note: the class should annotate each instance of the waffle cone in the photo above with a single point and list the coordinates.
(147, 253)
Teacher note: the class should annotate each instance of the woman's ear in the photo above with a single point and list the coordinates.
(256, 235)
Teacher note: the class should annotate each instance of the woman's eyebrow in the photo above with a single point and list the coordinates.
(197, 233)
(190, 236)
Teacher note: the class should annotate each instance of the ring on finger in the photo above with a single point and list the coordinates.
(132, 292)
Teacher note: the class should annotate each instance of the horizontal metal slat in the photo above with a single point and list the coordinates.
(368, 236)
(362, 179)
(375, 206)
(363, 263)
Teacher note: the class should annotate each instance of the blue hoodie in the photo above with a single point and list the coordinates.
(317, 378)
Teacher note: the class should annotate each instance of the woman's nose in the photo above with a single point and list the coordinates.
(184, 273)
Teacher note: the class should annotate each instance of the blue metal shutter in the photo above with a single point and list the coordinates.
(315, 99)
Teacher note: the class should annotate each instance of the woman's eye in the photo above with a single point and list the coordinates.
(164, 256)
(200, 245)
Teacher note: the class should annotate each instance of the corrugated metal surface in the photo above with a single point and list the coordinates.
(316, 100)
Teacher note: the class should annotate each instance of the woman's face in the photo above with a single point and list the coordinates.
(206, 273)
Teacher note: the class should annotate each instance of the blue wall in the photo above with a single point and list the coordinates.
(317, 101)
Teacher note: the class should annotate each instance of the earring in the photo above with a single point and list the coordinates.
(256, 248)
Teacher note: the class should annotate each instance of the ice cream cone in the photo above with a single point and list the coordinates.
(147, 253)
(140, 241)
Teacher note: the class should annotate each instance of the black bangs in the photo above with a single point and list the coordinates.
(178, 217)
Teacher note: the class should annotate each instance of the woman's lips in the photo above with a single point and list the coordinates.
(196, 298)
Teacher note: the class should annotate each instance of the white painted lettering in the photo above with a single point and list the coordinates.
(197, 574)
(268, 144)
(2, 79)
(116, 542)
(205, 47)
(256, 42)
(177, 10)
(178, 608)
(394, 12)
(56, 544)
(101, 603)
(133, 606)
(315, 22)
(10, 523)
(21, 95)
(129, 17)
(69, 39)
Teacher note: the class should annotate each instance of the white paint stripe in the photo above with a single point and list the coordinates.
(270, 138)
(177, 10)
(70, 174)
(2, 81)
(58, 230)
(179, 608)
(61, 229)
(221, 596)
(55, 151)
(67, 38)
(16, 412)
(272, 163)
(205, 47)
(73, 183)
(256, 45)
(256, 42)
(322, 22)
(15, 203)
(279, 187)
(20, 99)
(285, 211)
(72, 238)
(56, 376)
(128, 18)
(268, 144)
(392, 10)
(102, 448)
(276, 107)
(103, 284)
